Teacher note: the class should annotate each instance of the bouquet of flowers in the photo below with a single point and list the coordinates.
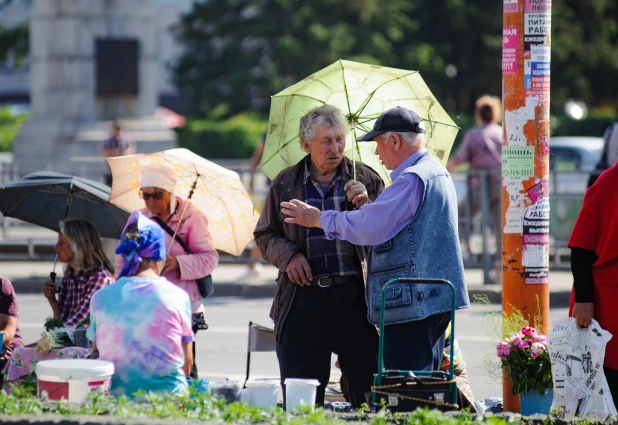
(56, 335)
(526, 359)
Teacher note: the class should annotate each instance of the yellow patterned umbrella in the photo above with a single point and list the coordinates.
(217, 192)
(362, 92)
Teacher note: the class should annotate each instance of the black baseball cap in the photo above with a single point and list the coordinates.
(396, 119)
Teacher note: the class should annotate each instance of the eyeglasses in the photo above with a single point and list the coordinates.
(154, 195)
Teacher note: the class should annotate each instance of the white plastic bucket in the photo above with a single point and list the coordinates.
(263, 393)
(300, 392)
(72, 379)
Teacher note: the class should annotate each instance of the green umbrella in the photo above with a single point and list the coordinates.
(362, 92)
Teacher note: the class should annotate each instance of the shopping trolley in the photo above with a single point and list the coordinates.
(406, 390)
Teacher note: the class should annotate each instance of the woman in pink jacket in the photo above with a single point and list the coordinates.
(191, 225)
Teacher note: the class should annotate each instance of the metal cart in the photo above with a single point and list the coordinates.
(406, 390)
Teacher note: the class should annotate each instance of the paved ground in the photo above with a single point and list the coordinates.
(28, 277)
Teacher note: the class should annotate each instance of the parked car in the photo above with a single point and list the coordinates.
(571, 160)
(574, 158)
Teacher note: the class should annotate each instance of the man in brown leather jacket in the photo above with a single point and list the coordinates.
(319, 306)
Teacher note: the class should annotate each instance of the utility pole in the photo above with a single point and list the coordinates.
(525, 163)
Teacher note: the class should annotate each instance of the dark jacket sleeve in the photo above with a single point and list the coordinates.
(270, 236)
(372, 181)
(583, 281)
(379, 185)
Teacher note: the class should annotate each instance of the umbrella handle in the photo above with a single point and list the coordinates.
(52, 277)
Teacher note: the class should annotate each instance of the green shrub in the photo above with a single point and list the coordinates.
(9, 127)
(233, 138)
(594, 125)
(236, 137)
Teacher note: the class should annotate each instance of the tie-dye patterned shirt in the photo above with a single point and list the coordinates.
(139, 324)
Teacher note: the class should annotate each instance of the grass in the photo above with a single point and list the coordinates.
(201, 407)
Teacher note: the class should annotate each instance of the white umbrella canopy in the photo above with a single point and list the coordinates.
(217, 192)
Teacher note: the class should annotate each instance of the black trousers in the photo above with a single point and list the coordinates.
(416, 345)
(193, 374)
(329, 320)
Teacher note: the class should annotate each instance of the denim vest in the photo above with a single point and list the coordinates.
(427, 247)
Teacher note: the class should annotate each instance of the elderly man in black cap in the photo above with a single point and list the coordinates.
(412, 228)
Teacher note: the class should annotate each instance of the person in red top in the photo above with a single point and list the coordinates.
(8, 321)
(87, 270)
(594, 263)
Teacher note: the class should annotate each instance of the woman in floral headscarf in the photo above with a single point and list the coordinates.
(142, 323)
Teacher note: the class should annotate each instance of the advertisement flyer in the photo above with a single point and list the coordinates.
(537, 22)
(517, 161)
(536, 237)
(510, 6)
(509, 50)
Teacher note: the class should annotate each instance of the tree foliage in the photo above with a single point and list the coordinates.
(14, 43)
(585, 52)
(240, 52)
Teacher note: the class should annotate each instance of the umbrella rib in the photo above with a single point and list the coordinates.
(366, 101)
(302, 95)
(345, 88)
(35, 189)
(232, 224)
(100, 201)
(21, 200)
(347, 99)
(437, 122)
(278, 150)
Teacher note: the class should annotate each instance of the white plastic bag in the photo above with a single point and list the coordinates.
(577, 355)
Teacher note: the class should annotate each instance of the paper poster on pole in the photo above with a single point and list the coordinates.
(540, 72)
(513, 222)
(510, 42)
(537, 22)
(517, 161)
(536, 239)
(539, 191)
(510, 6)
(515, 122)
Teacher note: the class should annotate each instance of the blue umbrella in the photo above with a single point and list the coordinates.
(45, 198)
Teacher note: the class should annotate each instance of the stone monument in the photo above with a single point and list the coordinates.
(91, 61)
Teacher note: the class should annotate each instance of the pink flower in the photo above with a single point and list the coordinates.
(503, 349)
(537, 349)
(529, 331)
(542, 339)
(519, 341)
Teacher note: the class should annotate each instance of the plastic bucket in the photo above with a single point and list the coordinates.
(533, 403)
(263, 393)
(228, 390)
(300, 392)
(72, 379)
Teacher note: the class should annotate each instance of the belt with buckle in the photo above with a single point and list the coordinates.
(326, 281)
